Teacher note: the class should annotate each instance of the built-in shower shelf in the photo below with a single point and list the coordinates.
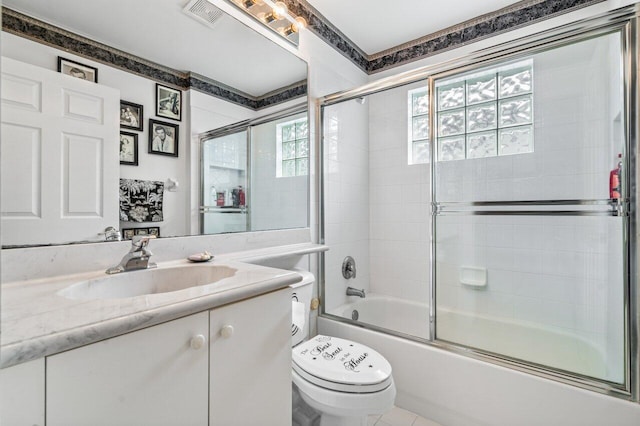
(473, 276)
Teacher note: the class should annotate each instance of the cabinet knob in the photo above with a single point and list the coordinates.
(197, 342)
(226, 331)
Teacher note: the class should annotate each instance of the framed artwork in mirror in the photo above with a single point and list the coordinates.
(129, 233)
(163, 138)
(78, 70)
(168, 102)
(129, 148)
(131, 115)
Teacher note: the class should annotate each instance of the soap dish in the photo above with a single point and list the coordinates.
(200, 257)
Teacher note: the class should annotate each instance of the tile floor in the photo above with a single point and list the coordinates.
(399, 417)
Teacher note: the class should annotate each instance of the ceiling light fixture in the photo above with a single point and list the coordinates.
(274, 15)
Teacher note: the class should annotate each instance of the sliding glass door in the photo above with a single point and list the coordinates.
(530, 209)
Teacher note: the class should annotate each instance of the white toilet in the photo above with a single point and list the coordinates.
(343, 380)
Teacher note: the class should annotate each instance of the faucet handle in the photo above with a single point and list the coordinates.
(111, 234)
(141, 241)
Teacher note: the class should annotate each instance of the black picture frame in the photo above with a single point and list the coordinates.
(128, 233)
(131, 115)
(78, 70)
(168, 145)
(168, 102)
(129, 148)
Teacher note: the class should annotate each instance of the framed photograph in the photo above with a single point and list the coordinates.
(163, 138)
(129, 148)
(78, 70)
(131, 115)
(129, 233)
(168, 102)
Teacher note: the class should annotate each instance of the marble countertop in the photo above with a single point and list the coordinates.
(37, 321)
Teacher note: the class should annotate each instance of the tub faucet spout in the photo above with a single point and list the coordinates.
(355, 292)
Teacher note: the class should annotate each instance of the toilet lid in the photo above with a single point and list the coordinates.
(342, 365)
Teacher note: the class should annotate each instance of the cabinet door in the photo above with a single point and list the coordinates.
(250, 372)
(149, 377)
(22, 394)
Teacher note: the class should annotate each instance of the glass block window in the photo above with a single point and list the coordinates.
(293, 148)
(485, 114)
(418, 126)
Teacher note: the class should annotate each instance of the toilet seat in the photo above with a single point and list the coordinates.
(341, 365)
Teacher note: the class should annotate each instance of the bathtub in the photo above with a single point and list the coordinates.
(390, 313)
(457, 390)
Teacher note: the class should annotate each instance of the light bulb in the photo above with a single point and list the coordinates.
(300, 23)
(287, 31)
(269, 17)
(280, 8)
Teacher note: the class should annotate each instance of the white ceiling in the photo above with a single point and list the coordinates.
(377, 25)
(158, 31)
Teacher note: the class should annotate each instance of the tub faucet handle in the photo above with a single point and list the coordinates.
(349, 267)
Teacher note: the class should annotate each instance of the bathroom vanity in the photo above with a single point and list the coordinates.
(216, 353)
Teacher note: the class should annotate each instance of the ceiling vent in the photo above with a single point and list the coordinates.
(203, 11)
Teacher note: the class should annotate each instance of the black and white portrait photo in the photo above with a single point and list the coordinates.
(168, 102)
(78, 70)
(129, 148)
(163, 138)
(131, 115)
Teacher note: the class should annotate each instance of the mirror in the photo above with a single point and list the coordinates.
(183, 68)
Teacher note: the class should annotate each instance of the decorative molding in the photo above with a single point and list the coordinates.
(517, 15)
(283, 94)
(41, 32)
(324, 29)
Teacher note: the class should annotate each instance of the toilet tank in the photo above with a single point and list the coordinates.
(301, 306)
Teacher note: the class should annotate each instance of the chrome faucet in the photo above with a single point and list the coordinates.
(137, 258)
(355, 292)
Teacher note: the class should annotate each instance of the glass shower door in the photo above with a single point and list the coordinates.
(224, 184)
(530, 212)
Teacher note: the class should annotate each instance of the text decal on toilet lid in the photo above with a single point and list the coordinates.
(341, 361)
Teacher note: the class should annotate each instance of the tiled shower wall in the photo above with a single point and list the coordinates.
(399, 201)
(346, 197)
(276, 202)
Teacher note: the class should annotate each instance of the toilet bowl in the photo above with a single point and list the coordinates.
(344, 381)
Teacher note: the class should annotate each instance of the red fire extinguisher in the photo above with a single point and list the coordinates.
(614, 180)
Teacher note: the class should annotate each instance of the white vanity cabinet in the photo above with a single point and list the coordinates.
(230, 366)
(155, 376)
(250, 371)
(22, 394)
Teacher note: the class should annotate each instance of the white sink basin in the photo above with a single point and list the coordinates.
(148, 281)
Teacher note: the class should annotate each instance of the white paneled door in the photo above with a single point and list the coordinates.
(59, 156)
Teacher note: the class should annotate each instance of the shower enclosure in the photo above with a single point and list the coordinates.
(255, 174)
(488, 204)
